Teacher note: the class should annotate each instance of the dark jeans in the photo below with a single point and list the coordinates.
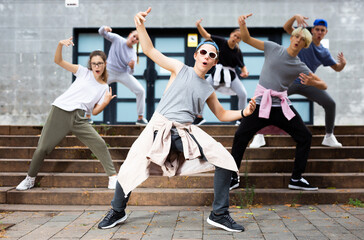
(222, 180)
(294, 127)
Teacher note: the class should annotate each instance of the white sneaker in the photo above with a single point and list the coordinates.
(141, 122)
(258, 141)
(331, 141)
(112, 182)
(26, 184)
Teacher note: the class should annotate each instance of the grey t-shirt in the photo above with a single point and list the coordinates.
(279, 70)
(185, 97)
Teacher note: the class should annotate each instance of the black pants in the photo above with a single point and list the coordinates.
(294, 127)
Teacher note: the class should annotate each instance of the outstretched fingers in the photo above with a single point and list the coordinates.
(301, 21)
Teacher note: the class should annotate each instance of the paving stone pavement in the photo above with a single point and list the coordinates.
(278, 222)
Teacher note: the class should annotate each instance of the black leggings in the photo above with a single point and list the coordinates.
(294, 127)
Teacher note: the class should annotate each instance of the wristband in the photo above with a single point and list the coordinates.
(242, 113)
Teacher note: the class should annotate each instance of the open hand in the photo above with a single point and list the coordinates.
(109, 96)
(301, 20)
(341, 58)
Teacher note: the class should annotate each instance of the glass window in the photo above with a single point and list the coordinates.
(303, 108)
(124, 92)
(246, 48)
(139, 68)
(126, 112)
(83, 60)
(209, 116)
(254, 64)
(88, 42)
(170, 44)
(159, 87)
(286, 40)
(98, 118)
(250, 86)
(162, 71)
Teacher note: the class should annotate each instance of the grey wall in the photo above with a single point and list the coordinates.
(31, 29)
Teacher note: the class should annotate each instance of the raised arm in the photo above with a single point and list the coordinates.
(106, 32)
(301, 22)
(170, 64)
(313, 80)
(338, 67)
(59, 59)
(202, 30)
(229, 115)
(245, 35)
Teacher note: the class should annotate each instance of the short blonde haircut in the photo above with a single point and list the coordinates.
(304, 33)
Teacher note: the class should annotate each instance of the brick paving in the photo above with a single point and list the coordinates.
(277, 222)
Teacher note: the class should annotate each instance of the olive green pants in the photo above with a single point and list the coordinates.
(59, 123)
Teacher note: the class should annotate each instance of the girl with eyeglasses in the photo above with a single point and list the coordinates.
(88, 93)
(120, 65)
(170, 145)
(225, 79)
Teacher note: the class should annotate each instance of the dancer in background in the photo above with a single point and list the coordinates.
(225, 79)
(120, 66)
(88, 93)
(171, 130)
(281, 68)
(314, 56)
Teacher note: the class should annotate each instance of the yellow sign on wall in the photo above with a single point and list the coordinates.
(192, 40)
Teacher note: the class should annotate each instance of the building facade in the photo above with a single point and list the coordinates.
(30, 80)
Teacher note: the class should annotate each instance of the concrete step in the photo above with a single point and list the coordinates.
(178, 197)
(3, 193)
(204, 180)
(127, 141)
(252, 166)
(121, 152)
(58, 165)
(136, 130)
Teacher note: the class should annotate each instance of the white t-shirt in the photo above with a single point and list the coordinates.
(84, 93)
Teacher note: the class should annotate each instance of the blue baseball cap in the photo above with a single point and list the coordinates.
(208, 42)
(320, 21)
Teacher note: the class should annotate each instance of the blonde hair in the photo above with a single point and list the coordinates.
(305, 34)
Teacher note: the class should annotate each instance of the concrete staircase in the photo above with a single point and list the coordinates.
(70, 175)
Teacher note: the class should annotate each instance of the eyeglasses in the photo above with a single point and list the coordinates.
(203, 52)
(99, 64)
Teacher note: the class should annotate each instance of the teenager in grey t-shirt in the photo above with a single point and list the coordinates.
(281, 67)
(185, 94)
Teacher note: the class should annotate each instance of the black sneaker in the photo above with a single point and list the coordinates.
(235, 181)
(301, 184)
(112, 218)
(225, 222)
(199, 121)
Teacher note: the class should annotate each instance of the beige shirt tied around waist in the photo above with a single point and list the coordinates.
(147, 157)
